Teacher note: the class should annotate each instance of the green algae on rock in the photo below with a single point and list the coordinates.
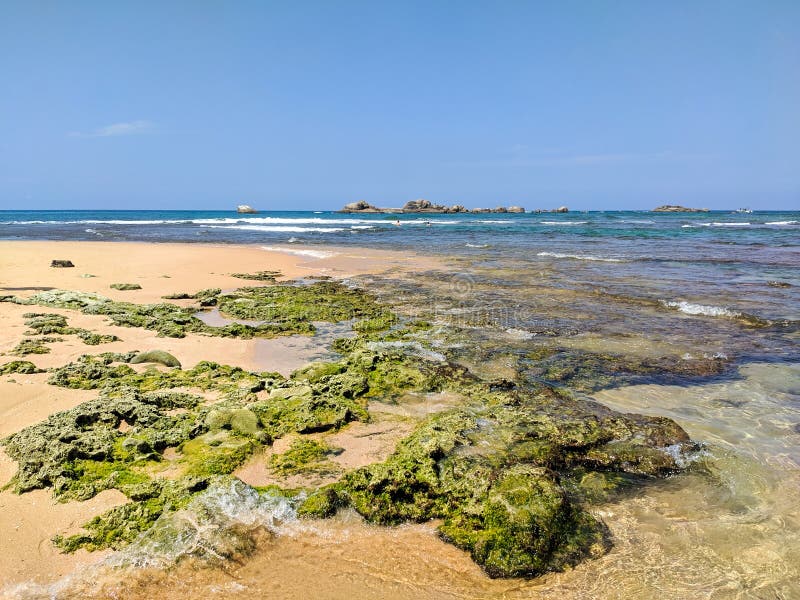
(270, 276)
(491, 472)
(34, 345)
(304, 456)
(24, 367)
(330, 301)
(283, 309)
(45, 323)
(509, 472)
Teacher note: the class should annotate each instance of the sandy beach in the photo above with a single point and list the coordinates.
(28, 521)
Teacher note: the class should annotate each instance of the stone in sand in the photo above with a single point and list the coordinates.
(61, 264)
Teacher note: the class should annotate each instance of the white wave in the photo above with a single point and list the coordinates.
(781, 222)
(578, 256)
(213, 221)
(209, 527)
(300, 251)
(720, 224)
(362, 227)
(284, 228)
(638, 222)
(468, 245)
(564, 222)
(99, 222)
(279, 221)
(690, 308)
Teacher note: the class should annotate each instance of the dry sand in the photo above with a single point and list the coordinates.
(28, 521)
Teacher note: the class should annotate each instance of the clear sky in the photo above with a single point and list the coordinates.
(308, 105)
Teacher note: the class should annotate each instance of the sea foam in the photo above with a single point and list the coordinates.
(277, 228)
(578, 256)
(690, 308)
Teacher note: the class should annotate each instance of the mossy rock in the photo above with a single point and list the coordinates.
(321, 504)
(24, 367)
(156, 356)
(524, 521)
(270, 276)
(33, 346)
(303, 456)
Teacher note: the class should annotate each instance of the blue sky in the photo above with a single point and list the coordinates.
(309, 105)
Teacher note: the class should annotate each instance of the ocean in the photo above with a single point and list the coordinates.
(694, 258)
(663, 290)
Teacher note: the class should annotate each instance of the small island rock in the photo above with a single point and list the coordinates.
(677, 208)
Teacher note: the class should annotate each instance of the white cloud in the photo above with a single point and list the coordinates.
(117, 129)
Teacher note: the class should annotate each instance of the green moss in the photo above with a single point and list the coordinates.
(24, 367)
(100, 372)
(521, 526)
(303, 456)
(286, 304)
(94, 339)
(321, 504)
(270, 276)
(33, 346)
(125, 286)
(285, 309)
(490, 471)
(329, 404)
(215, 454)
(508, 472)
(380, 322)
(122, 524)
(45, 323)
(317, 371)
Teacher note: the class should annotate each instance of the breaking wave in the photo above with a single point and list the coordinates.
(578, 257)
